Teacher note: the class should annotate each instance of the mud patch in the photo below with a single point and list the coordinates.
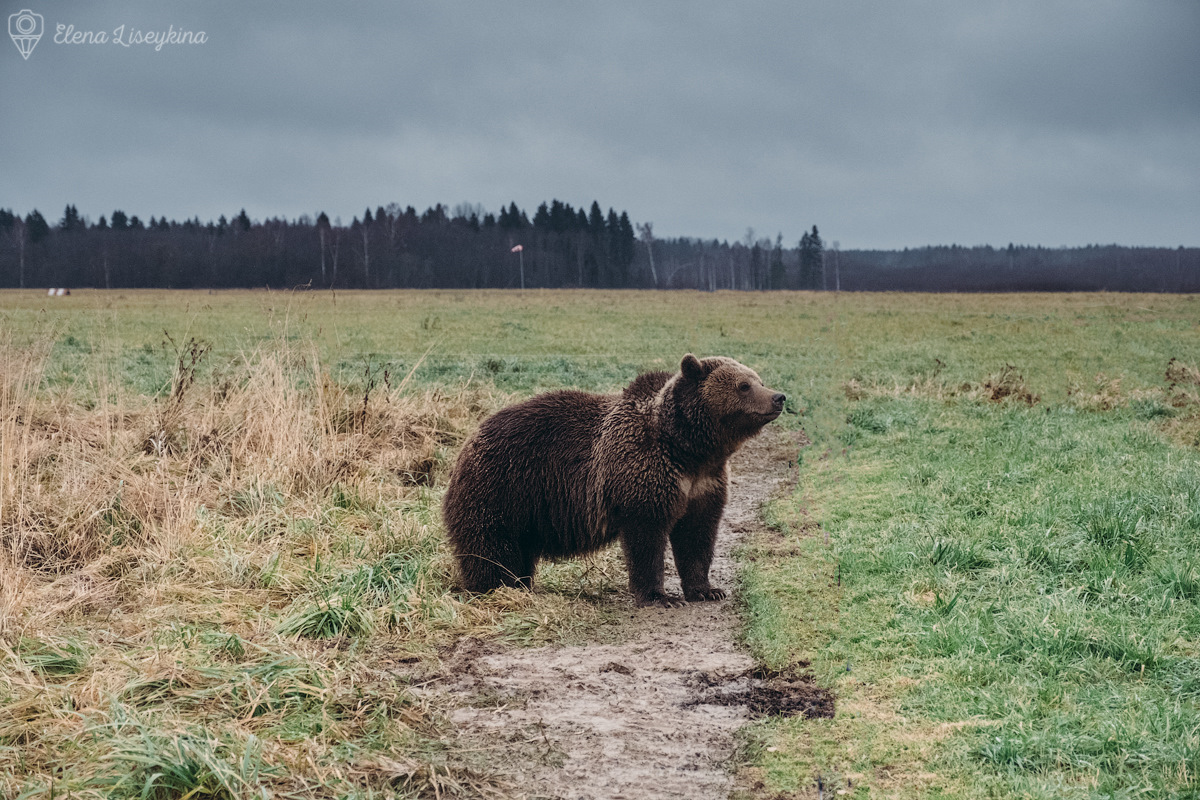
(653, 716)
(767, 693)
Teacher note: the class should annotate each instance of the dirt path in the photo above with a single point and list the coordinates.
(653, 717)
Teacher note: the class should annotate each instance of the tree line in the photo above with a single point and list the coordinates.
(1092, 268)
(391, 246)
(558, 246)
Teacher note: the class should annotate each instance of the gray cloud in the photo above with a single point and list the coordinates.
(886, 124)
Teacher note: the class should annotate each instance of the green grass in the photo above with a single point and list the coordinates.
(50, 659)
(1004, 596)
(148, 765)
(528, 340)
(1017, 584)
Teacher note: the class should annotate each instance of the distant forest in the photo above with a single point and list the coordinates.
(560, 246)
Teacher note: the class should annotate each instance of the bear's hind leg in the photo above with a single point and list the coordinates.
(502, 565)
(524, 574)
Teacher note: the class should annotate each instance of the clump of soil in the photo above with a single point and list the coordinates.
(767, 693)
(613, 666)
(1180, 373)
(1008, 384)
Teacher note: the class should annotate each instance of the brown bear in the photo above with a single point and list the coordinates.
(566, 473)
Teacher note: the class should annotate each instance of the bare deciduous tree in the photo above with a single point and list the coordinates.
(18, 234)
(646, 232)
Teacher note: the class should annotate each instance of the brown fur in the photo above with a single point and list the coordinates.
(566, 473)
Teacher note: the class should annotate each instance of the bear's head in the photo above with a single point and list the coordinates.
(733, 394)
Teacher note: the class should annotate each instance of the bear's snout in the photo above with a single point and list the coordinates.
(778, 399)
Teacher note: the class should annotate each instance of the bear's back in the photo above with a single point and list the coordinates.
(563, 418)
(646, 385)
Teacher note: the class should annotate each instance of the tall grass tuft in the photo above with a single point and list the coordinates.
(150, 764)
(89, 492)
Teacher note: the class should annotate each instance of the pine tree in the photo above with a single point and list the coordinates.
(596, 221)
(811, 260)
(626, 241)
(778, 275)
(561, 216)
(818, 257)
(612, 238)
(38, 228)
(322, 236)
(434, 216)
(599, 244)
(541, 218)
(70, 220)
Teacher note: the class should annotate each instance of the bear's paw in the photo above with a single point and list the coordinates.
(701, 595)
(660, 600)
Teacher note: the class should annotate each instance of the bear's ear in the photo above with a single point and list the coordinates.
(691, 368)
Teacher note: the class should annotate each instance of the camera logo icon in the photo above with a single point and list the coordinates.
(26, 28)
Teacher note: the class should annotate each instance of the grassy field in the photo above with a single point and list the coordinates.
(219, 538)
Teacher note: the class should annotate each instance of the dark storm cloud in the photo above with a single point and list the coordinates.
(887, 124)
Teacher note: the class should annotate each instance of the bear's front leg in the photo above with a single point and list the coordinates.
(645, 547)
(693, 541)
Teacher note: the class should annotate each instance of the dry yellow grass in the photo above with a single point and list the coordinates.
(229, 574)
(90, 493)
(1007, 385)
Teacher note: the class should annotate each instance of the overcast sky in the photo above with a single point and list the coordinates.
(887, 124)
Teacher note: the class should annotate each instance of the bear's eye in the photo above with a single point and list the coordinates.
(744, 387)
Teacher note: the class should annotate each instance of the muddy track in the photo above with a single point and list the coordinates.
(651, 717)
